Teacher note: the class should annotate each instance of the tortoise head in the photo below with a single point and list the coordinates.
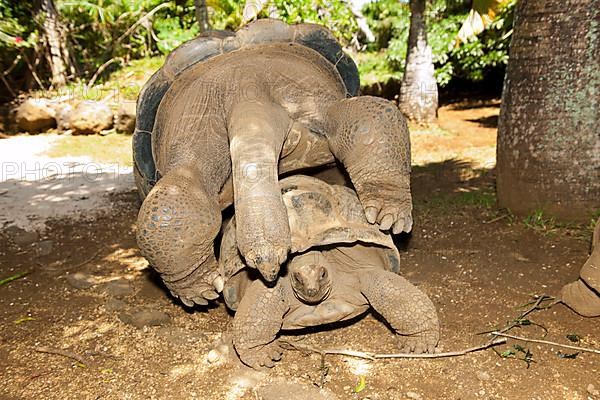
(309, 277)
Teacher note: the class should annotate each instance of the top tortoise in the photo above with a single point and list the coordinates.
(227, 114)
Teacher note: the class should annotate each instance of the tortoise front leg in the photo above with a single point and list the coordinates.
(407, 309)
(257, 131)
(256, 324)
(176, 228)
(369, 135)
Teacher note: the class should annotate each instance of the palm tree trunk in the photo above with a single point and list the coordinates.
(548, 135)
(58, 57)
(418, 93)
(202, 15)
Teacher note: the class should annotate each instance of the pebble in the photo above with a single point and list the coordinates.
(293, 391)
(118, 288)
(181, 337)
(44, 248)
(213, 356)
(145, 317)
(483, 376)
(80, 280)
(414, 396)
(20, 236)
(113, 305)
(591, 389)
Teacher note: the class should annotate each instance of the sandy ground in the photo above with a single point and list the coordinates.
(35, 187)
(88, 292)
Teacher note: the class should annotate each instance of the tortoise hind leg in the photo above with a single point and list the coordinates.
(177, 225)
(407, 309)
(370, 137)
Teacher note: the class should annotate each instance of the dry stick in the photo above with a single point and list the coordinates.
(140, 21)
(64, 353)
(102, 68)
(322, 352)
(373, 356)
(13, 65)
(531, 309)
(495, 342)
(496, 219)
(10, 89)
(566, 346)
(32, 69)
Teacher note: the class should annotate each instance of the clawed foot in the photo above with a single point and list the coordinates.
(424, 342)
(388, 204)
(261, 356)
(200, 292)
(267, 258)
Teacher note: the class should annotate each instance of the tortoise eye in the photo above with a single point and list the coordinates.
(297, 277)
(323, 273)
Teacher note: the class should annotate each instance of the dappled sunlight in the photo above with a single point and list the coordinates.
(35, 187)
(462, 134)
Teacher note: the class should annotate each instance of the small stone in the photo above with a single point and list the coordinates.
(181, 337)
(90, 117)
(35, 115)
(21, 237)
(414, 396)
(145, 317)
(80, 280)
(125, 118)
(591, 389)
(113, 305)
(118, 288)
(44, 248)
(483, 376)
(213, 356)
(293, 391)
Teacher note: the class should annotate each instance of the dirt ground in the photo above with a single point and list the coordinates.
(86, 282)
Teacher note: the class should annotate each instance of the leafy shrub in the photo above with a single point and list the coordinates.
(390, 21)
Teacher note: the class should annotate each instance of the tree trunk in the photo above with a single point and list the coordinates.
(418, 93)
(202, 15)
(58, 57)
(548, 133)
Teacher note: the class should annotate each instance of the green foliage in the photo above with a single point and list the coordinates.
(334, 14)
(390, 21)
(98, 30)
(226, 14)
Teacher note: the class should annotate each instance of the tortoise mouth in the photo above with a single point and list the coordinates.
(310, 297)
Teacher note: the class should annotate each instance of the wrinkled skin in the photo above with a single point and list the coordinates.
(323, 287)
(245, 118)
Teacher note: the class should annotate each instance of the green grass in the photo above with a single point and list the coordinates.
(110, 149)
(13, 278)
(136, 70)
(546, 224)
(472, 198)
(374, 68)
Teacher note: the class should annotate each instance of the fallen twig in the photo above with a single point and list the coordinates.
(102, 68)
(141, 20)
(496, 219)
(349, 353)
(519, 320)
(374, 356)
(64, 353)
(566, 346)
